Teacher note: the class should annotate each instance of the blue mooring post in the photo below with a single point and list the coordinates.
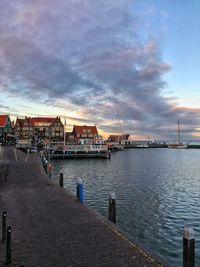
(4, 226)
(80, 189)
(188, 247)
(112, 208)
(8, 246)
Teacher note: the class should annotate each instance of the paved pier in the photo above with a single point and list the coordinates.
(50, 228)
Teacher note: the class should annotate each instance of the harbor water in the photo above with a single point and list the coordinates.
(157, 194)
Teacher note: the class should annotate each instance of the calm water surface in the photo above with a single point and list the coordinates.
(157, 191)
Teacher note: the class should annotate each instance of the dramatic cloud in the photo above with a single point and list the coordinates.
(87, 54)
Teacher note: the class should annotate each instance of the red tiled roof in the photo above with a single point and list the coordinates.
(20, 121)
(115, 137)
(3, 120)
(33, 121)
(40, 119)
(79, 129)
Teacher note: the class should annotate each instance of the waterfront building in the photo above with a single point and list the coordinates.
(82, 134)
(118, 138)
(5, 129)
(18, 128)
(39, 129)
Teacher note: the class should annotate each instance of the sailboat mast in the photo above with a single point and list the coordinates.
(179, 139)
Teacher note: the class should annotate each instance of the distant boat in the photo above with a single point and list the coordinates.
(141, 145)
(179, 145)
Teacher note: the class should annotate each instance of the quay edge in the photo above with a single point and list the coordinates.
(45, 214)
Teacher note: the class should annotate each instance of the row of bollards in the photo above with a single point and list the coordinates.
(188, 233)
(80, 196)
(6, 236)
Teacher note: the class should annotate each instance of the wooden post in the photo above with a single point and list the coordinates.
(43, 161)
(49, 170)
(4, 226)
(188, 247)
(112, 208)
(80, 189)
(46, 166)
(8, 246)
(61, 179)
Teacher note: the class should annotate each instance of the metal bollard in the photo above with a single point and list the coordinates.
(188, 247)
(46, 166)
(8, 246)
(80, 189)
(61, 180)
(49, 166)
(112, 208)
(4, 226)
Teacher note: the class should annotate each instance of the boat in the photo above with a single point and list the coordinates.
(78, 151)
(179, 145)
(141, 145)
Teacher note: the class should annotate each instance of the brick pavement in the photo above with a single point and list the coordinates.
(50, 228)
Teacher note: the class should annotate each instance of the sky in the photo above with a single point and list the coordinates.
(126, 66)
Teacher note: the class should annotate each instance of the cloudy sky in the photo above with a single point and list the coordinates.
(125, 65)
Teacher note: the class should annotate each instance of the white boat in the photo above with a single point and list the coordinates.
(79, 151)
(141, 146)
(77, 148)
(179, 145)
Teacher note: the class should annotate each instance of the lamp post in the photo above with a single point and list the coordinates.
(49, 145)
(64, 131)
(49, 167)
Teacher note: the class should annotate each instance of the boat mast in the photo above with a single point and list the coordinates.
(179, 139)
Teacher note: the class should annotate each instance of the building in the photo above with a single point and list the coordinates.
(39, 129)
(118, 138)
(5, 129)
(82, 134)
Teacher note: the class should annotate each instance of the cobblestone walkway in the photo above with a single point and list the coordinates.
(49, 228)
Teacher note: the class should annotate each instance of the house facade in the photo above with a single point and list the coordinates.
(5, 129)
(39, 129)
(118, 138)
(82, 134)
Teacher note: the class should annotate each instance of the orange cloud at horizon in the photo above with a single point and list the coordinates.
(197, 133)
(183, 108)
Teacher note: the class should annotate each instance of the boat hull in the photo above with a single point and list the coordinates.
(178, 146)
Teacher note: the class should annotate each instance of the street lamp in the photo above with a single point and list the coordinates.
(49, 145)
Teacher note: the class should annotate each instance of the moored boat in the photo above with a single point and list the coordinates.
(79, 151)
(179, 145)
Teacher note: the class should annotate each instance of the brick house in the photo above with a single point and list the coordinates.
(82, 134)
(40, 128)
(118, 138)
